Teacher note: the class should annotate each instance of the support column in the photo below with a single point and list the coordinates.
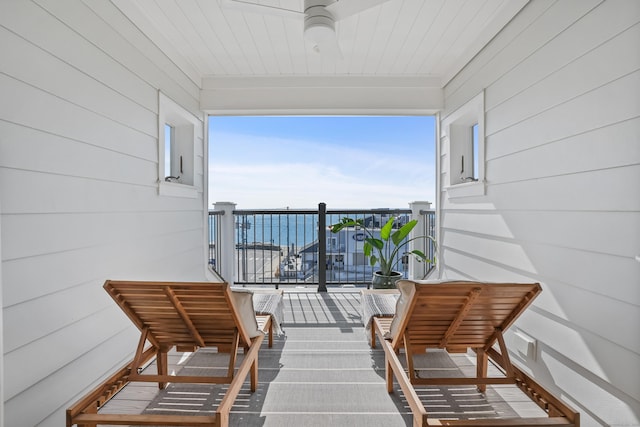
(225, 266)
(416, 268)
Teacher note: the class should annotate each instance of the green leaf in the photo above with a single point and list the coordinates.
(420, 255)
(366, 248)
(376, 243)
(373, 260)
(403, 232)
(385, 231)
(346, 222)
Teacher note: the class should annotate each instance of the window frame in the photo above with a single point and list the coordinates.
(183, 126)
(458, 134)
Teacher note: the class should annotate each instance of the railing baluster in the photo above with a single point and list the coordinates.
(215, 241)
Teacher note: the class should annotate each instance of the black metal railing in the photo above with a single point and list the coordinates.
(272, 246)
(283, 247)
(215, 244)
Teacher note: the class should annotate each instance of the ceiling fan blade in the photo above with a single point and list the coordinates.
(341, 9)
(247, 6)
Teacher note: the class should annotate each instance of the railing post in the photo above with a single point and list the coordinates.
(416, 268)
(225, 266)
(322, 247)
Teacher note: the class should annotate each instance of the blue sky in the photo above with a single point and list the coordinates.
(298, 162)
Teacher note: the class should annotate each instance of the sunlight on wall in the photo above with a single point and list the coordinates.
(571, 354)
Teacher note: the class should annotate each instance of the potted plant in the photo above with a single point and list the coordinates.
(385, 250)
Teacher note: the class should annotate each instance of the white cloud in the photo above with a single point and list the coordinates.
(304, 185)
(271, 172)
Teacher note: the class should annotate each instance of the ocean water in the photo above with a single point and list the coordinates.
(283, 229)
(278, 229)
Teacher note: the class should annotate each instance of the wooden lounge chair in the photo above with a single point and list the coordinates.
(458, 316)
(186, 316)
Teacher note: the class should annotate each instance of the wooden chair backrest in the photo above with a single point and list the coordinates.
(190, 314)
(461, 315)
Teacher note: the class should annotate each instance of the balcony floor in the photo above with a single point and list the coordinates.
(323, 372)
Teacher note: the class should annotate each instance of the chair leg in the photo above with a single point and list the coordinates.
(163, 368)
(233, 354)
(410, 367)
(270, 333)
(254, 375)
(373, 336)
(92, 410)
(482, 367)
(389, 374)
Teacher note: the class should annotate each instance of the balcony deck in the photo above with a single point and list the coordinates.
(323, 372)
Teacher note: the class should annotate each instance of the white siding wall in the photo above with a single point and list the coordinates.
(562, 204)
(79, 195)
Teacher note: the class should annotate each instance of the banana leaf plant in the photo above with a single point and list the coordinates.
(380, 250)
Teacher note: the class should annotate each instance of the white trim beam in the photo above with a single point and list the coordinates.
(321, 95)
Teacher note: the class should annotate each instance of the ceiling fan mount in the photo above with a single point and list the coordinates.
(319, 17)
(319, 25)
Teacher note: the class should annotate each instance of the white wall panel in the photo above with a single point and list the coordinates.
(124, 260)
(83, 194)
(581, 153)
(582, 269)
(55, 312)
(137, 53)
(24, 61)
(597, 190)
(602, 106)
(51, 233)
(69, 381)
(593, 368)
(60, 117)
(587, 45)
(31, 22)
(461, 263)
(541, 22)
(79, 195)
(561, 204)
(61, 348)
(38, 151)
(569, 82)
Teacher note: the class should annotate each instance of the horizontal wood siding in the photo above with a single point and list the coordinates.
(79, 195)
(562, 204)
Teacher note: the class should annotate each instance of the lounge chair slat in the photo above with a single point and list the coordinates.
(146, 420)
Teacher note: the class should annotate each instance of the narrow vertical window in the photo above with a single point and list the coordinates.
(475, 144)
(169, 144)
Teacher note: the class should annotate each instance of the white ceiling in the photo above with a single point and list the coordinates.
(400, 38)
